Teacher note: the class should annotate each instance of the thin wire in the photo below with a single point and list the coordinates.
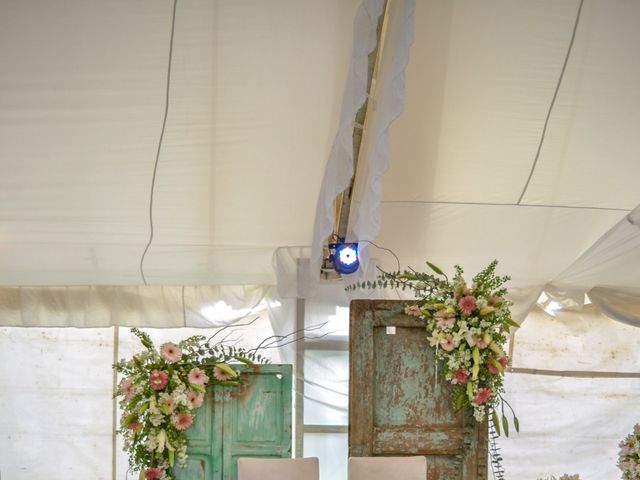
(164, 125)
(553, 101)
(497, 204)
(384, 248)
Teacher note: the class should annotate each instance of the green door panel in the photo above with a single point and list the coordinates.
(198, 467)
(259, 424)
(254, 421)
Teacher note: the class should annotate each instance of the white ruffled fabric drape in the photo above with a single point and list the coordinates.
(607, 272)
(158, 307)
(339, 166)
(387, 103)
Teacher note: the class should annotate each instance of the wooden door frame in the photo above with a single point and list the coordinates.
(365, 316)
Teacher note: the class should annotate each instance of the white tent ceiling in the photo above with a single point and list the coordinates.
(254, 96)
(479, 84)
(254, 101)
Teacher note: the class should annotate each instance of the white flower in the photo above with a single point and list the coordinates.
(153, 406)
(156, 419)
(182, 455)
(151, 442)
(478, 413)
(180, 398)
(162, 439)
(435, 338)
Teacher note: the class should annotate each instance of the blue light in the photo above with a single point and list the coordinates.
(345, 257)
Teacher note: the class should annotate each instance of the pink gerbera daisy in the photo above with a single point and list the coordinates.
(467, 304)
(168, 401)
(197, 376)
(134, 425)
(482, 396)
(195, 399)
(504, 361)
(170, 352)
(158, 379)
(182, 421)
(153, 473)
(492, 368)
(127, 388)
(461, 375)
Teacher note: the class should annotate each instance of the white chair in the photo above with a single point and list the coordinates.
(278, 469)
(385, 468)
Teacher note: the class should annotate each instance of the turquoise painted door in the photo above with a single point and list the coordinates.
(253, 422)
(398, 404)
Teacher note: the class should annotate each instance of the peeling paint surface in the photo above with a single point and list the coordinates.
(398, 405)
(252, 422)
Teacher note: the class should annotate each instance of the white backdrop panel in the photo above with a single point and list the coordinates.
(568, 425)
(584, 340)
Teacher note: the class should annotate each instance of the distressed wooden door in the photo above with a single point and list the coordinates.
(252, 422)
(397, 406)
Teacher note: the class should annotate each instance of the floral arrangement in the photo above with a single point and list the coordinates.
(629, 456)
(160, 392)
(468, 324)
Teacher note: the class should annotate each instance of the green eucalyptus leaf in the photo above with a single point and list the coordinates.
(408, 276)
(516, 423)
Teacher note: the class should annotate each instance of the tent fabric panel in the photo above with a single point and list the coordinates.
(532, 244)
(585, 340)
(568, 425)
(253, 96)
(479, 83)
(590, 154)
(135, 306)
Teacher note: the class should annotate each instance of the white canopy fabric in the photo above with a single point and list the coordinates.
(255, 91)
(250, 119)
(479, 84)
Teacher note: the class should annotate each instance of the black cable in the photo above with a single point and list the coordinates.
(497, 204)
(164, 125)
(553, 101)
(384, 248)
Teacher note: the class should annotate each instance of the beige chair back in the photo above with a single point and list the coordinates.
(278, 469)
(385, 468)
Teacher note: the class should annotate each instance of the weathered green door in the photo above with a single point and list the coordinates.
(252, 422)
(398, 405)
